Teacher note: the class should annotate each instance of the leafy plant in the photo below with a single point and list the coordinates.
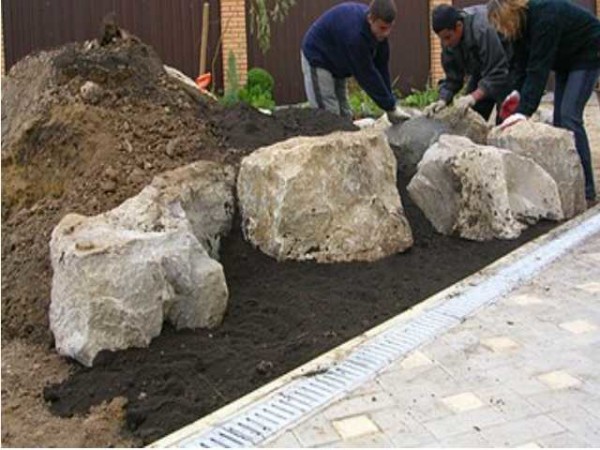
(420, 99)
(263, 13)
(361, 104)
(258, 91)
(232, 85)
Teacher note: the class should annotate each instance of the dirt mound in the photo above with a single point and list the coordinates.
(66, 152)
(246, 128)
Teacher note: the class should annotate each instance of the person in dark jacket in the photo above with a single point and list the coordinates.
(553, 35)
(348, 40)
(470, 47)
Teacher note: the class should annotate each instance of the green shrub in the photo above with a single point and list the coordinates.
(260, 79)
(258, 91)
(361, 104)
(420, 99)
(232, 86)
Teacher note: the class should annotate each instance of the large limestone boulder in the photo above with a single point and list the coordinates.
(411, 139)
(554, 150)
(330, 199)
(119, 275)
(482, 192)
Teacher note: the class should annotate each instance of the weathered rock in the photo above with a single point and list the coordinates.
(411, 140)
(331, 198)
(482, 192)
(91, 92)
(470, 125)
(119, 275)
(554, 150)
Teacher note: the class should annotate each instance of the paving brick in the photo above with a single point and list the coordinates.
(286, 440)
(500, 344)
(354, 427)
(521, 431)
(465, 440)
(559, 380)
(553, 400)
(315, 432)
(352, 406)
(465, 422)
(414, 360)
(564, 440)
(465, 401)
(579, 422)
(378, 440)
(510, 404)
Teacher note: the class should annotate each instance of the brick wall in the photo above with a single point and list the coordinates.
(233, 29)
(437, 72)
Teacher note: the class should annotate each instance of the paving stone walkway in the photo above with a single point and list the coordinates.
(523, 372)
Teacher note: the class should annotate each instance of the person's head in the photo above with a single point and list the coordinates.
(508, 16)
(381, 17)
(448, 24)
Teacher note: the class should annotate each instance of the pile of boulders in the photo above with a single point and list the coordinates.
(119, 275)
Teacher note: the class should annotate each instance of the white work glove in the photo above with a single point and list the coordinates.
(465, 102)
(397, 115)
(511, 120)
(435, 108)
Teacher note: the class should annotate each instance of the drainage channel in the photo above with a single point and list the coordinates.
(266, 413)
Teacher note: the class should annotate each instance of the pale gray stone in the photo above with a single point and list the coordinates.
(330, 198)
(482, 192)
(411, 139)
(119, 275)
(91, 92)
(469, 124)
(554, 150)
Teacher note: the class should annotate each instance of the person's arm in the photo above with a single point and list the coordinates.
(495, 67)
(382, 63)
(368, 77)
(544, 38)
(455, 76)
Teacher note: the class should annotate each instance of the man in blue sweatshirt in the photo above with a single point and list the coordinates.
(350, 40)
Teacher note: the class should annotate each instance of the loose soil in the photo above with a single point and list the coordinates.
(68, 154)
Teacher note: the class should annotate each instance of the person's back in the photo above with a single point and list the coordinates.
(578, 32)
(326, 42)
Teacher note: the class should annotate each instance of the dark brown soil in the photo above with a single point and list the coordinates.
(63, 154)
(283, 314)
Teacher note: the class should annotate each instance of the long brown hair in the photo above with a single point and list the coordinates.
(508, 16)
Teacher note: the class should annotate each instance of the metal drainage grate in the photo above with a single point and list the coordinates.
(304, 396)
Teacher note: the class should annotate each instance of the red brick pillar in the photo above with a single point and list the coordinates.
(233, 30)
(437, 72)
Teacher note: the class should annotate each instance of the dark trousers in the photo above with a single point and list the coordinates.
(572, 92)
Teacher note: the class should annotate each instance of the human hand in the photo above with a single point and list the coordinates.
(510, 104)
(397, 115)
(435, 108)
(511, 120)
(465, 102)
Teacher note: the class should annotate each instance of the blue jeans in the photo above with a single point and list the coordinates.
(573, 90)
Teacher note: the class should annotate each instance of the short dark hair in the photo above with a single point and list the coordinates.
(384, 10)
(445, 17)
